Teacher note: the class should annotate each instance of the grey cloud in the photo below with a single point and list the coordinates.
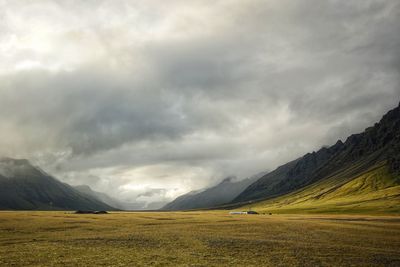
(89, 113)
(152, 192)
(187, 94)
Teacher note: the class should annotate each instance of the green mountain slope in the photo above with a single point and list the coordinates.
(377, 190)
(359, 154)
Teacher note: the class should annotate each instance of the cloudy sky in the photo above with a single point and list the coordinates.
(147, 99)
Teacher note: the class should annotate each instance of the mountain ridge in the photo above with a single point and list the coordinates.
(375, 144)
(217, 195)
(25, 187)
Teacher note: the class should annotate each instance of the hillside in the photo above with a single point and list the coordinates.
(222, 193)
(357, 156)
(375, 191)
(25, 187)
(103, 197)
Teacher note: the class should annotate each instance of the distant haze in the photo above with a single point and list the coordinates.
(147, 100)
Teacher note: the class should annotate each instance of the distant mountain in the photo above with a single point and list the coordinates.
(376, 147)
(103, 197)
(113, 202)
(214, 196)
(25, 187)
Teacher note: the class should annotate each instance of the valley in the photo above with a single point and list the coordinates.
(212, 238)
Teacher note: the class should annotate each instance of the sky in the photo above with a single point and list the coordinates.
(149, 99)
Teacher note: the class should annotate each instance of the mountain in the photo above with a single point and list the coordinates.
(222, 193)
(103, 197)
(116, 203)
(25, 187)
(370, 159)
(374, 191)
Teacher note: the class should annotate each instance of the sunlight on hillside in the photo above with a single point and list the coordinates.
(374, 191)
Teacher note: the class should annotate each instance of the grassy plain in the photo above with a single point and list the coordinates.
(209, 238)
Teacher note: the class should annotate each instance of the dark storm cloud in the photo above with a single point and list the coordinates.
(179, 96)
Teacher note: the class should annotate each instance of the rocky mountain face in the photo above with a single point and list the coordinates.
(25, 187)
(220, 194)
(377, 144)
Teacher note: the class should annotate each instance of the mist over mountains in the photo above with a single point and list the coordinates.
(220, 194)
(377, 147)
(162, 99)
(25, 187)
(379, 143)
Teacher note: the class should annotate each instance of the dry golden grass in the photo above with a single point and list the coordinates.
(211, 238)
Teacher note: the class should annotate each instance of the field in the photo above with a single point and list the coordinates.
(210, 238)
